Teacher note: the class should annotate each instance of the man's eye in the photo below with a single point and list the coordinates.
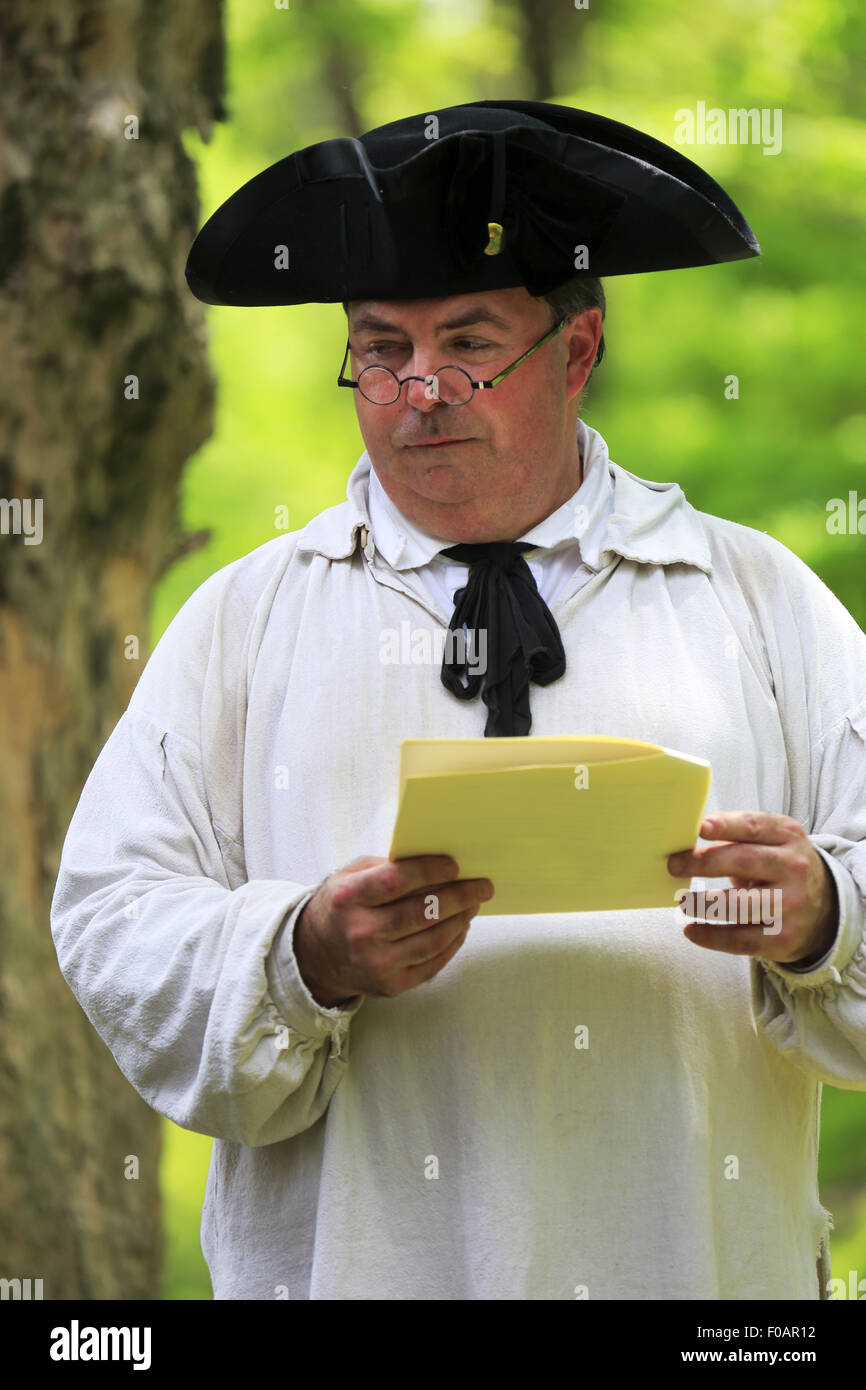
(380, 349)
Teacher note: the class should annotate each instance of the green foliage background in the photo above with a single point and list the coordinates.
(789, 324)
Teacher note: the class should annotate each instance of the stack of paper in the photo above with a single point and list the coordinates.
(556, 824)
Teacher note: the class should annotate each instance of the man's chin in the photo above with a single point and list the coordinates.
(436, 481)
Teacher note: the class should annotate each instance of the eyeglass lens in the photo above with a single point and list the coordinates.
(451, 385)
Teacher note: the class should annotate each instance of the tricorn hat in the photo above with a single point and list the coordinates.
(484, 196)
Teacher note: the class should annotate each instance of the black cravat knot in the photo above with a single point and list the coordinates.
(522, 639)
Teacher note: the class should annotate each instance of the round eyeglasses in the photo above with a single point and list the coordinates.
(451, 385)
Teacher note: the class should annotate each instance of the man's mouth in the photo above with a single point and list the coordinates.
(437, 443)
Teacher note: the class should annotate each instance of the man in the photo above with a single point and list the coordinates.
(552, 1106)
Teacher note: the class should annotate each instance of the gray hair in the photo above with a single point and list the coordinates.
(580, 293)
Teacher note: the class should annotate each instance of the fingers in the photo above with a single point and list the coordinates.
(398, 922)
(391, 879)
(422, 911)
(748, 844)
(425, 970)
(420, 955)
(422, 890)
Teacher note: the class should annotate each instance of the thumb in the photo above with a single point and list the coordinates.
(365, 862)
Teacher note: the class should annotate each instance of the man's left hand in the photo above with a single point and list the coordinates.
(759, 850)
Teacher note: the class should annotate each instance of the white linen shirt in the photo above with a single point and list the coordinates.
(458, 1141)
(405, 546)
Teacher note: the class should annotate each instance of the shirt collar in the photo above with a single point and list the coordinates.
(613, 512)
(405, 546)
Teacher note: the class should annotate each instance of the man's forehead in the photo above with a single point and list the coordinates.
(500, 308)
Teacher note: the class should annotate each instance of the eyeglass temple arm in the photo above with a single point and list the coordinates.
(495, 380)
(340, 381)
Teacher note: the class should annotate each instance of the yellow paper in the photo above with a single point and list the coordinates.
(556, 824)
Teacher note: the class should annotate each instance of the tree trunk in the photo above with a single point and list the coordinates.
(104, 394)
(537, 35)
(553, 37)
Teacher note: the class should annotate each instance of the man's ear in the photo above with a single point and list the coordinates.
(583, 341)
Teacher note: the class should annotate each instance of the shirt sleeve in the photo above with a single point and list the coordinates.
(817, 1016)
(190, 982)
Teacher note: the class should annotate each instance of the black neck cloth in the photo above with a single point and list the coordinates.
(523, 641)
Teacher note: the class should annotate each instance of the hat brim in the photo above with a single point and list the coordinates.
(398, 216)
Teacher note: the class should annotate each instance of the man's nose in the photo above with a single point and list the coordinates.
(422, 394)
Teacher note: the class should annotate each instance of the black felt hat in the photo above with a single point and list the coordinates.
(485, 196)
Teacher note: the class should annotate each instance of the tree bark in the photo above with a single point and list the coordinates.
(96, 218)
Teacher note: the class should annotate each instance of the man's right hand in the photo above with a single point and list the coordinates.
(373, 928)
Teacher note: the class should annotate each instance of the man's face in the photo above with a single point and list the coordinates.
(516, 459)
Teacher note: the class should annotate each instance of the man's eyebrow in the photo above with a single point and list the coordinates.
(474, 313)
